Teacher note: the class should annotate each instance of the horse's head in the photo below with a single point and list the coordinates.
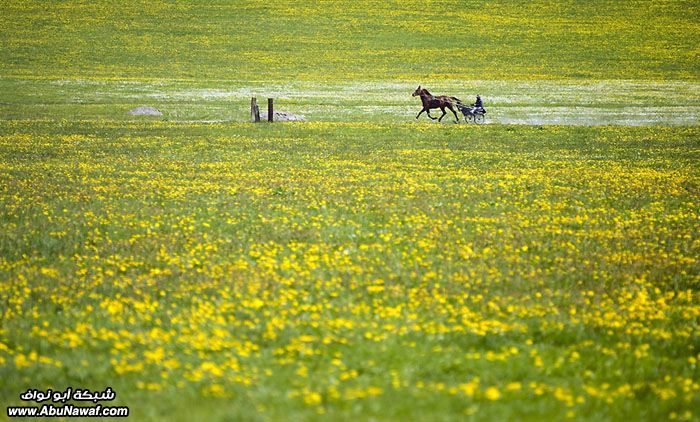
(417, 91)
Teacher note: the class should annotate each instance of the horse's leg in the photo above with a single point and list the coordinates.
(453, 112)
(430, 115)
(443, 113)
(421, 112)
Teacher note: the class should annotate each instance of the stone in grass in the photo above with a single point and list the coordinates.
(283, 116)
(145, 111)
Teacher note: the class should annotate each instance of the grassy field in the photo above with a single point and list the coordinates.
(610, 102)
(354, 269)
(362, 264)
(337, 40)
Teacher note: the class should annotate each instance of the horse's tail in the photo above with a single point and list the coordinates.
(458, 103)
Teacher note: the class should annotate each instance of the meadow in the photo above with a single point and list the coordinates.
(332, 41)
(361, 264)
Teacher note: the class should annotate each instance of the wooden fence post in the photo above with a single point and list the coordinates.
(254, 110)
(269, 110)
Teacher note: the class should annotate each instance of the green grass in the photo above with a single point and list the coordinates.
(362, 264)
(577, 102)
(305, 215)
(364, 40)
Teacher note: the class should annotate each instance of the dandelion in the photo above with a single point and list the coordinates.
(492, 393)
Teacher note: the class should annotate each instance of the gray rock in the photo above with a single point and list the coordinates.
(145, 111)
(283, 116)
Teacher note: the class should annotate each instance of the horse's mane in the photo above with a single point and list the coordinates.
(425, 91)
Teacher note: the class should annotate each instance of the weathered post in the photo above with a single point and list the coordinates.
(254, 110)
(269, 110)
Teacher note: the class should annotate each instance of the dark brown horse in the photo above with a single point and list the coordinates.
(430, 101)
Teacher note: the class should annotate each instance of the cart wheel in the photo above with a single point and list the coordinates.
(469, 118)
(479, 119)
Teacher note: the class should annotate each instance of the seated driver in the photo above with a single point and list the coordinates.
(478, 105)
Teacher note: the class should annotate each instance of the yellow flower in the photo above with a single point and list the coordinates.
(513, 386)
(21, 361)
(492, 393)
(312, 398)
